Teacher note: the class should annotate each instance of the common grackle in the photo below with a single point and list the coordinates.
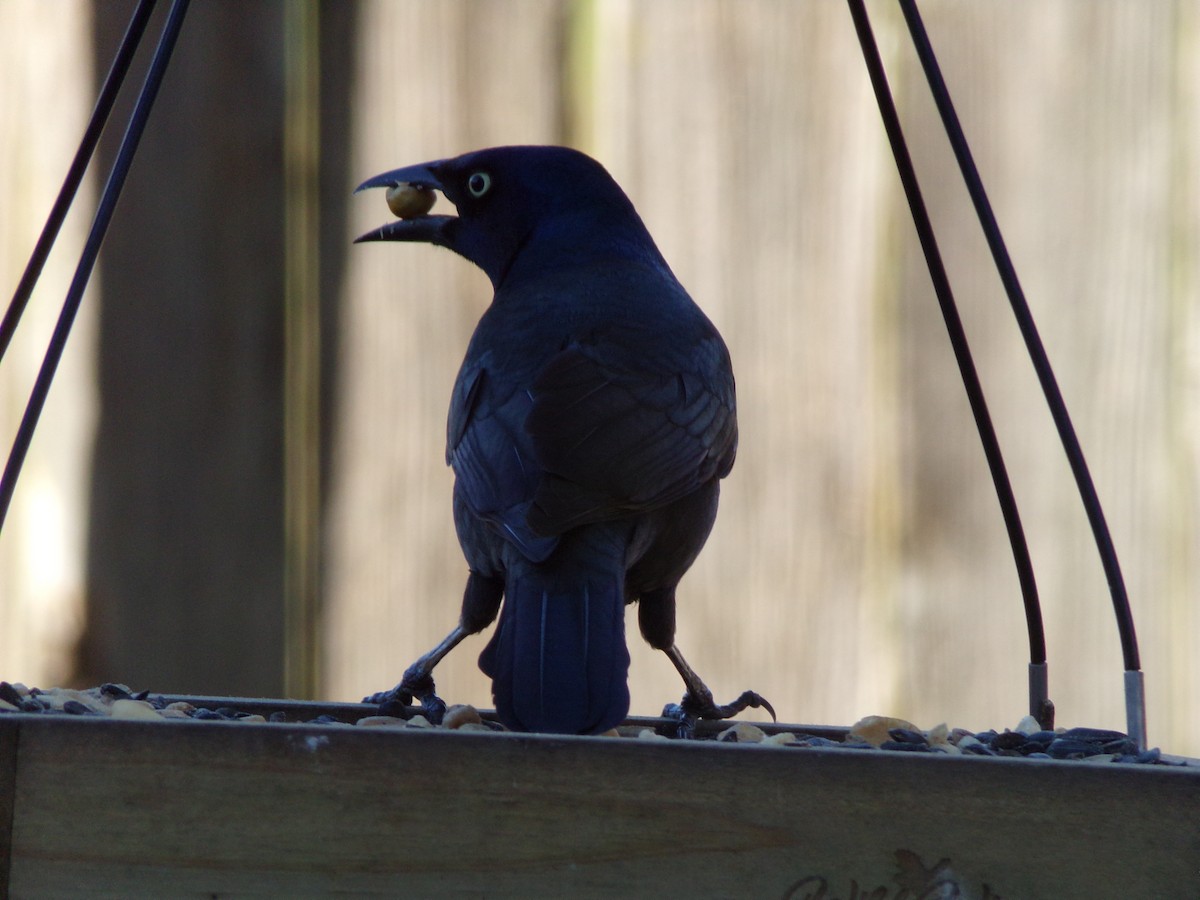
(591, 423)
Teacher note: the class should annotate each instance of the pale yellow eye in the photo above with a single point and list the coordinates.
(407, 201)
(479, 184)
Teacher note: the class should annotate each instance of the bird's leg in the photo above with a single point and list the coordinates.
(698, 700)
(418, 680)
(481, 602)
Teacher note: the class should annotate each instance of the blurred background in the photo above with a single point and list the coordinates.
(238, 483)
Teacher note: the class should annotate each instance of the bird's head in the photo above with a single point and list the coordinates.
(520, 210)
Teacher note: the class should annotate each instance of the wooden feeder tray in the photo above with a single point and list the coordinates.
(101, 807)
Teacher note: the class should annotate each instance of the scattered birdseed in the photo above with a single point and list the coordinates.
(459, 715)
(1027, 740)
(742, 733)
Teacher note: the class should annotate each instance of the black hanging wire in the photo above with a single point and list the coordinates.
(91, 249)
(1134, 687)
(1040, 706)
(87, 146)
(1134, 684)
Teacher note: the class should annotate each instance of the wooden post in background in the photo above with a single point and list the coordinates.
(46, 94)
(302, 350)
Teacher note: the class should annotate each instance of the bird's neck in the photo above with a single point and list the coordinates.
(584, 241)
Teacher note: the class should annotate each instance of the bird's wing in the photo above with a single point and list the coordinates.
(616, 434)
(492, 457)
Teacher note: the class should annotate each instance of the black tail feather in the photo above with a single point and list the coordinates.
(558, 660)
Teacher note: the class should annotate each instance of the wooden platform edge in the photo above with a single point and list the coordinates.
(8, 786)
(146, 809)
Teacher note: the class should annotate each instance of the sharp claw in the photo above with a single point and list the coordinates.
(395, 695)
(417, 683)
(698, 700)
(769, 708)
(749, 699)
(682, 716)
(434, 708)
(679, 723)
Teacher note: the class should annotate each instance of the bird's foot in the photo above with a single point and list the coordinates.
(683, 716)
(417, 683)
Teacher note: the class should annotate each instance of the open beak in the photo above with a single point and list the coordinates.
(423, 228)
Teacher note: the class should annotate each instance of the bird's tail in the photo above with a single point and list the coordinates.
(558, 660)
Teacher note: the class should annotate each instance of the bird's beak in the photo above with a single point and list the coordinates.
(423, 228)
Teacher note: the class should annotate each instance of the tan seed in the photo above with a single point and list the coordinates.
(407, 201)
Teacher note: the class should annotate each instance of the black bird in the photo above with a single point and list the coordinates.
(591, 423)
